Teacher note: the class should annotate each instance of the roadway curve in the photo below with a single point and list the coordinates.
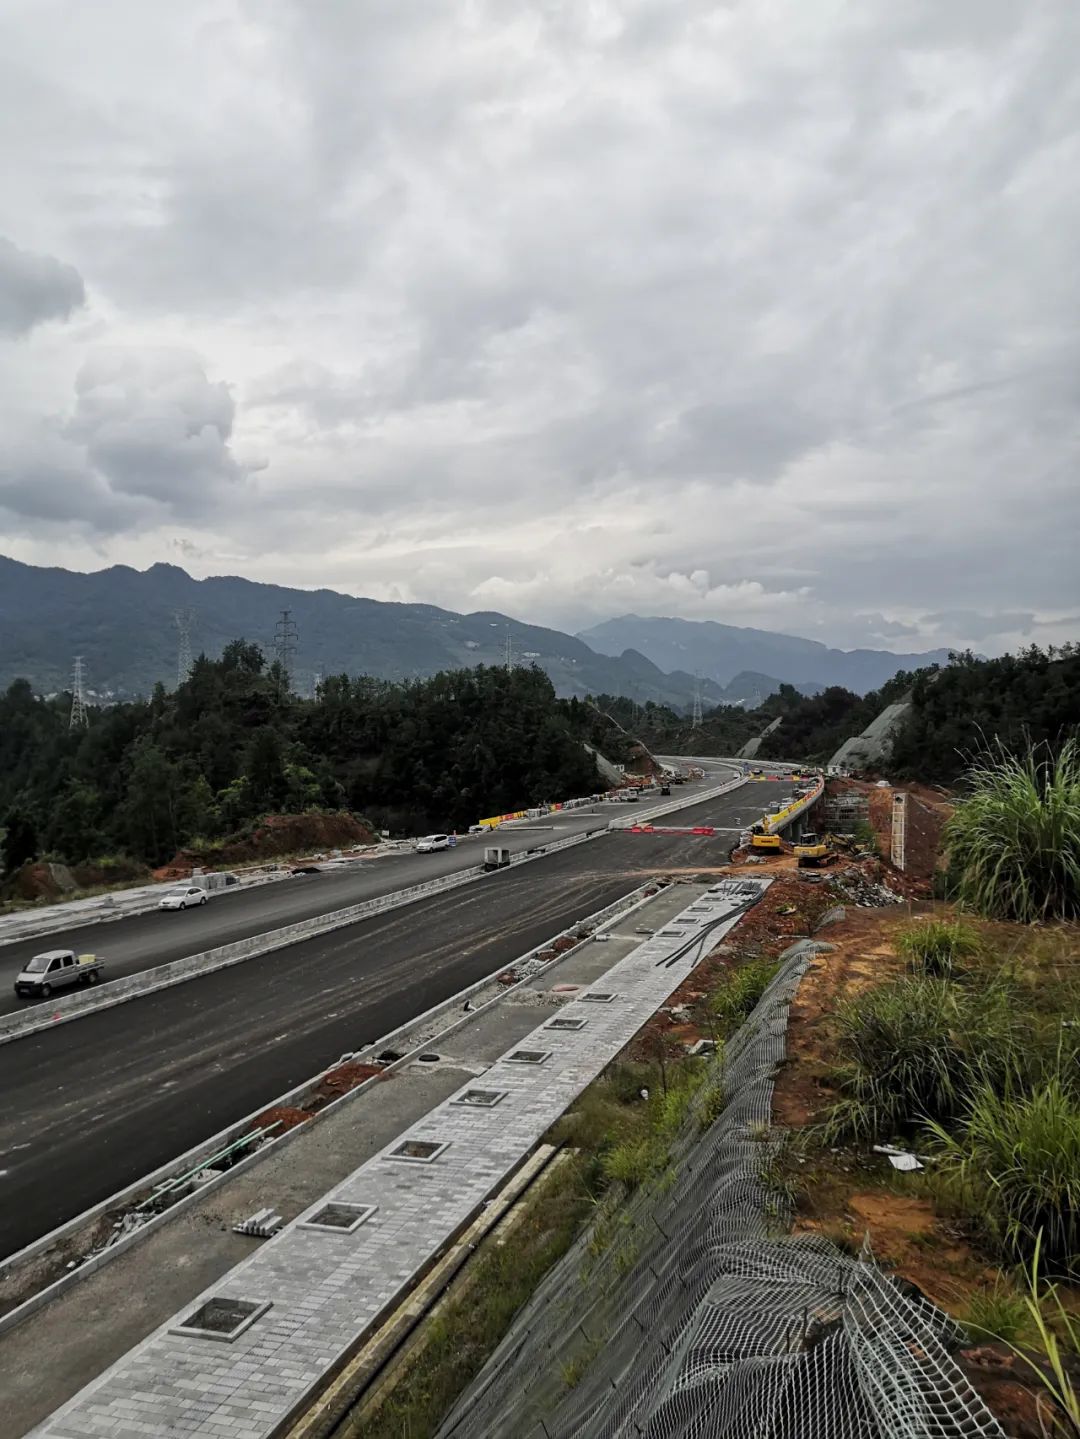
(144, 941)
(93, 1105)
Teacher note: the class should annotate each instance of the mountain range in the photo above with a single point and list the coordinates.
(122, 622)
(721, 652)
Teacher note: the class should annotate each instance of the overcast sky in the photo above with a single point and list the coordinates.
(764, 311)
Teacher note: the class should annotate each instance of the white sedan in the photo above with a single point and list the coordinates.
(182, 898)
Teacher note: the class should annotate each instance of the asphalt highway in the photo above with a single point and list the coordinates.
(93, 1105)
(145, 941)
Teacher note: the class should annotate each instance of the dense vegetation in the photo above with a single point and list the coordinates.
(955, 711)
(1032, 696)
(148, 777)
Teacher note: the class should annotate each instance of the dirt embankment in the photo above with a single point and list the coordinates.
(273, 836)
(50, 880)
(927, 811)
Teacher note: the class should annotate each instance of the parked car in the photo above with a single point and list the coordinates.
(56, 969)
(182, 898)
(432, 842)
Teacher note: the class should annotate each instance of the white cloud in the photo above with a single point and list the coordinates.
(764, 313)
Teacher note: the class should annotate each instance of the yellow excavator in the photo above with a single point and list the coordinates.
(813, 850)
(762, 843)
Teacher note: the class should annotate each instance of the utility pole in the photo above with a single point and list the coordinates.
(286, 639)
(79, 718)
(184, 619)
(696, 720)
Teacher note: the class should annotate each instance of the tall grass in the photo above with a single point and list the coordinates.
(739, 993)
(1013, 845)
(934, 947)
(1018, 1155)
(911, 1050)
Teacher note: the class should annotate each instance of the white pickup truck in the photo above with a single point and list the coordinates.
(57, 969)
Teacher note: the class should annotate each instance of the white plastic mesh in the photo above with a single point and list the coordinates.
(699, 1321)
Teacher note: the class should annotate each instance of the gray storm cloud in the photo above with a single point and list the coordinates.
(764, 313)
(35, 288)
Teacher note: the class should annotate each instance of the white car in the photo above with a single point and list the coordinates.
(182, 898)
(431, 842)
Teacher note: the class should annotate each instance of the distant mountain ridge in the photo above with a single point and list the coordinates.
(121, 621)
(720, 652)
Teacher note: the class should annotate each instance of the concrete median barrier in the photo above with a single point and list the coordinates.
(24, 1022)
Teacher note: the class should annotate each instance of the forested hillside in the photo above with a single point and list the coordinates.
(146, 778)
(955, 711)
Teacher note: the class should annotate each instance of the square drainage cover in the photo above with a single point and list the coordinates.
(223, 1318)
(480, 1098)
(596, 997)
(528, 1056)
(566, 1022)
(339, 1218)
(419, 1151)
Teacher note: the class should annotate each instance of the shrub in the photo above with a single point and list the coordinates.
(1013, 846)
(1018, 1155)
(912, 1049)
(933, 947)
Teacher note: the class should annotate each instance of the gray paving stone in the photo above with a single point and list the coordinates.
(326, 1288)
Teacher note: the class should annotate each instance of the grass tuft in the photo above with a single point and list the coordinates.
(911, 1050)
(934, 947)
(1018, 1156)
(1013, 846)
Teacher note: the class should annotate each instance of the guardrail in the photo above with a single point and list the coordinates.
(775, 822)
(132, 986)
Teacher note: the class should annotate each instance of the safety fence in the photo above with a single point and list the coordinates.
(689, 1312)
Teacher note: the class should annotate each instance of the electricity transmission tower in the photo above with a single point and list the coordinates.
(184, 619)
(695, 722)
(509, 651)
(79, 718)
(286, 639)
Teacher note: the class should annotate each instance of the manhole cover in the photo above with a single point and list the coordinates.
(339, 1217)
(428, 1059)
(480, 1098)
(419, 1151)
(222, 1317)
(596, 997)
(567, 1023)
(528, 1056)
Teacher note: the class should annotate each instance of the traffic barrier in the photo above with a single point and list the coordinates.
(776, 822)
(132, 986)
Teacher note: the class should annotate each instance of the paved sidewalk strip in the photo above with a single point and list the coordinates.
(302, 1300)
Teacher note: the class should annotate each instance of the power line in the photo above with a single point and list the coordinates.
(184, 620)
(286, 639)
(79, 717)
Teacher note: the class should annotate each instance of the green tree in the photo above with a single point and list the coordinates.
(20, 839)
